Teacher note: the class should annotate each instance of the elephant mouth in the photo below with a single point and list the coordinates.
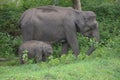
(88, 34)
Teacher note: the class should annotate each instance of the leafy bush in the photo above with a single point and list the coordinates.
(9, 22)
(8, 45)
(9, 15)
(5, 44)
(107, 10)
(114, 43)
(35, 3)
(109, 29)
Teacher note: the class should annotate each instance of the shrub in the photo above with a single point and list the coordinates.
(5, 45)
(114, 43)
(8, 44)
(9, 15)
(35, 3)
(107, 10)
(108, 29)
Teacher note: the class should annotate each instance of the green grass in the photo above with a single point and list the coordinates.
(103, 64)
(98, 69)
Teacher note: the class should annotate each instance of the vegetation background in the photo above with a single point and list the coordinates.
(103, 64)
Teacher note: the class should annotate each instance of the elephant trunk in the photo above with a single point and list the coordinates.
(96, 35)
(97, 39)
(90, 50)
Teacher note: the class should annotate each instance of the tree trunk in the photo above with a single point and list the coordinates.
(76, 4)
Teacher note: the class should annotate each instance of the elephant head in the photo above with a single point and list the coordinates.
(47, 50)
(88, 26)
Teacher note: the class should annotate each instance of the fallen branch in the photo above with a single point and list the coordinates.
(3, 59)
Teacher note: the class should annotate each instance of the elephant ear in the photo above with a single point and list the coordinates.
(89, 17)
(80, 21)
(90, 21)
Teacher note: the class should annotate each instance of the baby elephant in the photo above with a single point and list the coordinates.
(36, 50)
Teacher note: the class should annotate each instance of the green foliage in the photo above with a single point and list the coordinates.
(5, 44)
(109, 29)
(57, 50)
(110, 11)
(66, 3)
(92, 68)
(67, 59)
(87, 4)
(8, 45)
(53, 62)
(10, 62)
(35, 3)
(64, 59)
(114, 43)
(26, 59)
(9, 20)
(16, 42)
(25, 55)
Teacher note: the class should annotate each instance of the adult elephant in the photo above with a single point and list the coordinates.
(58, 24)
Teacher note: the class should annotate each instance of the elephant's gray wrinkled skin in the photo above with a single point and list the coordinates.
(37, 50)
(58, 24)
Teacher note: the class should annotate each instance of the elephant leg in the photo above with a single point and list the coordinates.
(65, 47)
(38, 55)
(74, 45)
(71, 34)
(38, 58)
